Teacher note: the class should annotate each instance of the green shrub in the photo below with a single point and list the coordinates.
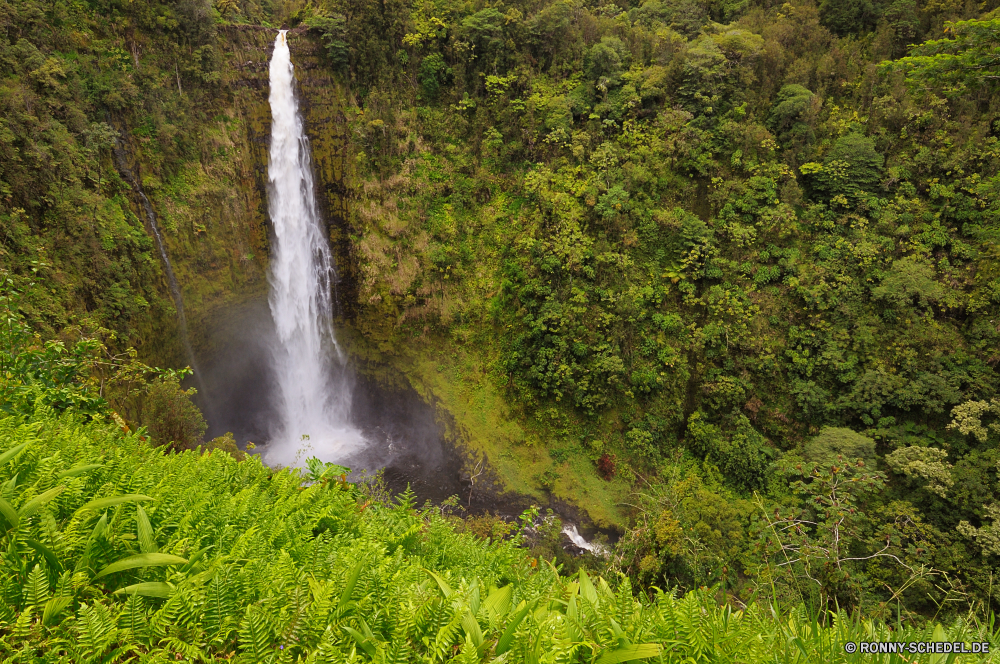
(225, 443)
(171, 417)
(834, 442)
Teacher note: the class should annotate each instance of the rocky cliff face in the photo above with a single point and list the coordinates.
(323, 101)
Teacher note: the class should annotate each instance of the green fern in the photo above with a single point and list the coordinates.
(220, 607)
(134, 619)
(95, 632)
(257, 577)
(255, 637)
(36, 588)
(444, 639)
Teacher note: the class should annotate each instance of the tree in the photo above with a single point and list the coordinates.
(334, 33)
(846, 17)
(171, 417)
(788, 116)
(834, 443)
(967, 418)
(910, 281)
(850, 169)
(742, 456)
(814, 541)
(925, 463)
(967, 59)
(605, 62)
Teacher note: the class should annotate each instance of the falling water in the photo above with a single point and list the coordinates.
(578, 541)
(313, 391)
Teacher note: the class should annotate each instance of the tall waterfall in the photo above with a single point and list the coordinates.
(308, 363)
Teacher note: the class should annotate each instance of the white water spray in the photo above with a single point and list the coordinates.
(314, 395)
(570, 531)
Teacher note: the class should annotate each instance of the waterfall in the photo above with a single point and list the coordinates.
(570, 531)
(314, 394)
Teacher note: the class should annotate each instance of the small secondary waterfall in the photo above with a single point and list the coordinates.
(313, 390)
(175, 290)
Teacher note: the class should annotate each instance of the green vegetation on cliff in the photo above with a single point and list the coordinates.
(738, 257)
(116, 551)
(741, 255)
(80, 79)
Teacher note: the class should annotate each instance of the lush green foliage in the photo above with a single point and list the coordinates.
(115, 551)
(697, 235)
(96, 99)
(118, 551)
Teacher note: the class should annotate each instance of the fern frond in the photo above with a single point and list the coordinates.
(445, 638)
(219, 606)
(36, 588)
(255, 637)
(189, 651)
(134, 618)
(95, 631)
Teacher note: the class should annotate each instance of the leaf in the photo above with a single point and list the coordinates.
(53, 608)
(9, 513)
(148, 589)
(445, 588)
(630, 653)
(79, 470)
(219, 604)
(134, 618)
(361, 640)
(474, 596)
(498, 603)
(47, 553)
(587, 589)
(352, 580)
(195, 557)
(102, 503)
(141, 560)
(36, 588)
(574, 632)
(35, 504)
(255, 637)
(939, 635)
(507, 638)
(472, 628)
(99, 529)
(11, 453)
(144, 531)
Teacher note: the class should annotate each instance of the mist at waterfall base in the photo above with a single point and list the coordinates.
(404, 437)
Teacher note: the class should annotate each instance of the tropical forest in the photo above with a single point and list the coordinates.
(514, 331)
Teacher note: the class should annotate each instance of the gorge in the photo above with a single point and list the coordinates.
(717, 278)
